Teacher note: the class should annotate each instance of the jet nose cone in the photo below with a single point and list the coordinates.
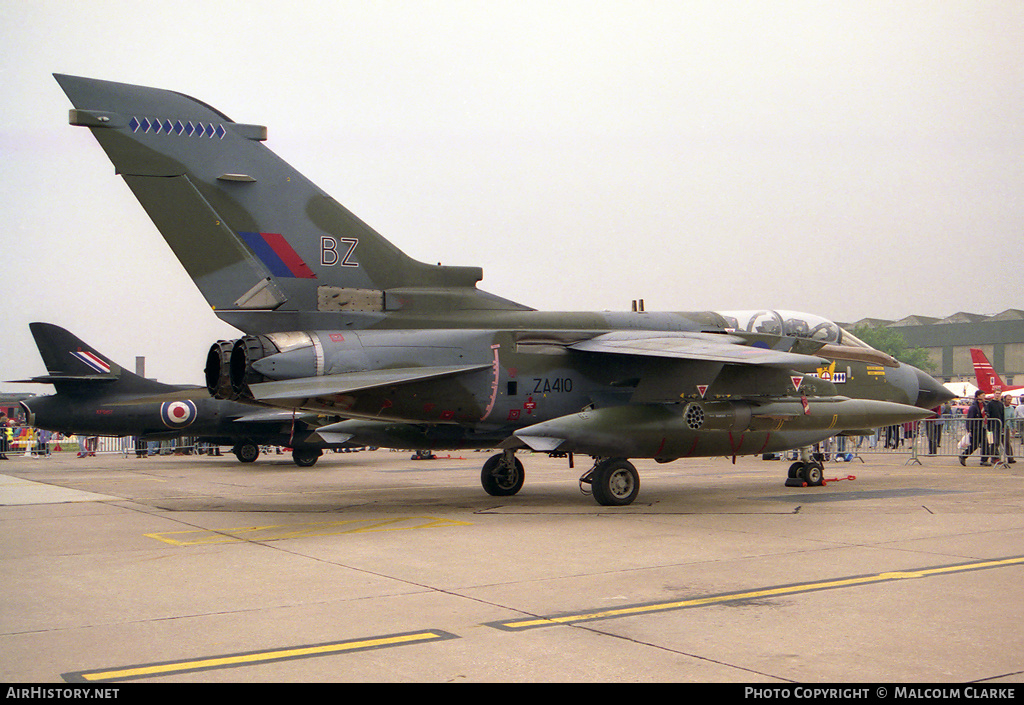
(930, 393)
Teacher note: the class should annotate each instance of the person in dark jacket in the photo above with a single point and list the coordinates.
(996, 426)
(977, 418)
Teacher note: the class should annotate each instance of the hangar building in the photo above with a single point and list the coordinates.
(948, 342)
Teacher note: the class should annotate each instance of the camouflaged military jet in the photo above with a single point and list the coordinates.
(96, 396)
(414, 355)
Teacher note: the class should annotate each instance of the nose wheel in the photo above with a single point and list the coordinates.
(809, 473)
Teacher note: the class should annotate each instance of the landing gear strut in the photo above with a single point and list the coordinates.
(503, 474)
(614, 482)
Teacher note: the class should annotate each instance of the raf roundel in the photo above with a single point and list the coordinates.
(177, 414)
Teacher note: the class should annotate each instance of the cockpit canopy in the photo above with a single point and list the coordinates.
(793, 324)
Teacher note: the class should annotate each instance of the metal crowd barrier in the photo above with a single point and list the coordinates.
(128, 445)
(933, 438)
(32, 442)
(999, 442)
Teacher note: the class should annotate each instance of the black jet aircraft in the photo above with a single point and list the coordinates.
(340, 321)
(96, 396)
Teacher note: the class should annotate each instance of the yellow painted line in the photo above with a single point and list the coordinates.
(754, 594)
(256, 657)
(276, 532)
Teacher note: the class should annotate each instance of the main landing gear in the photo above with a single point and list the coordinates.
(306, 457)
(614, 482)
(247, 452)
(503, 474)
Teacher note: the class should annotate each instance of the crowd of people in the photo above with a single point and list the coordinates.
(40, 441)
(990, 424)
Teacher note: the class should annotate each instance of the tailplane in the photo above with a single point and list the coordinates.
(267, 248)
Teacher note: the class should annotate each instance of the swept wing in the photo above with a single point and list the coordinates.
(707, 347)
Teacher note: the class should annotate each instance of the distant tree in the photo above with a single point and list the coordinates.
(891, 341)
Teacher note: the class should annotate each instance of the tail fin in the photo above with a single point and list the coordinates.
(987, 379)
(267, 248)
(78, 369)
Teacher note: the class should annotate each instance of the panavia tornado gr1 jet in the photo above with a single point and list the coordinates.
(96, 396)
(413, 355)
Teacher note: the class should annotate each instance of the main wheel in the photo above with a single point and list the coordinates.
(246, 452)
(796, 470)
(306, 457)
(615, 482)
(502, 479)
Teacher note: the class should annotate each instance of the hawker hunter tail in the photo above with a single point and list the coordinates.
(97, 397)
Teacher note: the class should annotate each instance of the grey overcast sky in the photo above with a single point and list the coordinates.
(848, 159)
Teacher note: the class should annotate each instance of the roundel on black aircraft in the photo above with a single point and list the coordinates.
(178, 414)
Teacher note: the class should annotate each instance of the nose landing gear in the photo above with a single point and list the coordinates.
(806, 472)
(802, 474)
